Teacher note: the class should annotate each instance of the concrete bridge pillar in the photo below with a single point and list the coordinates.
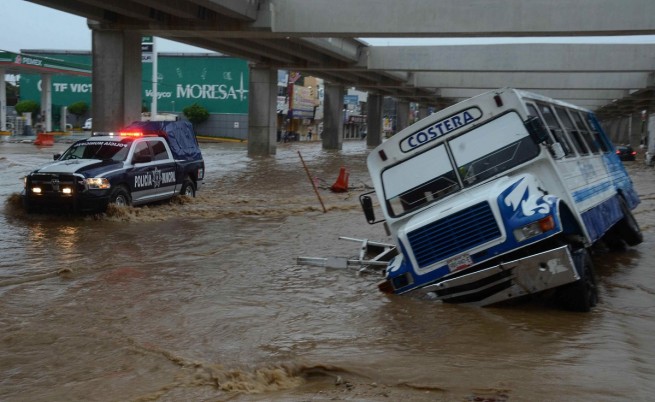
(46, 102)
(374, 120)
(649, 132)
(635, 130)
(116, 96)
(3, 101)
(402, 115)
(262, 116)
(624, 131)
(613, 128)
(422, 112)
(333, 117)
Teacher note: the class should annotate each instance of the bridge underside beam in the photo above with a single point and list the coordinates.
(543, 57)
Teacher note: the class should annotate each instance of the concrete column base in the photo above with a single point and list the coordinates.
(374, 120)
(262, 113)
(333, 117)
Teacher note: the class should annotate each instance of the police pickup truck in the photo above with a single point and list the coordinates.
(144, 162)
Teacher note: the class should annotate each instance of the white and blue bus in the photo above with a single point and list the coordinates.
(500, 197)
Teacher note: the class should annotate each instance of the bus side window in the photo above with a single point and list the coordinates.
(584, 130)
(532, 111)
(578, 142)
(602, 142)
(554, 127)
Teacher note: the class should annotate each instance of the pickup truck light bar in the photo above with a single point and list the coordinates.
(122, 134)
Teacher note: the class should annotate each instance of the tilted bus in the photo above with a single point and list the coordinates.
(499, 197)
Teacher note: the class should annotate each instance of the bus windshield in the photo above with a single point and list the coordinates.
(479, 154)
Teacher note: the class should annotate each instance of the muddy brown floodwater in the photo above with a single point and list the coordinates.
(201, 300)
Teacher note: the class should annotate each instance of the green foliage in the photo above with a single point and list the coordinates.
(11, 90)
(195, 113)
(27, 106)
(78, 108)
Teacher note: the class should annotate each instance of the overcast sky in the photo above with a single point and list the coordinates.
(27, 25)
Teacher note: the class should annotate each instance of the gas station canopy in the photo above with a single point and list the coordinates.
(17, 63)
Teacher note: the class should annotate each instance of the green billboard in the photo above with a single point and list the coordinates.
(219, 84)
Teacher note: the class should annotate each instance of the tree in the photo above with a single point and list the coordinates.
(78, 109)
(27, 106)
(196, 114)
(12, 93)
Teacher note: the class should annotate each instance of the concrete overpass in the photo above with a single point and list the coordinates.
(321, 38)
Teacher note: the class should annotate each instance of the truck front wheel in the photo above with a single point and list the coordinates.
(120, 197)
(27, 206)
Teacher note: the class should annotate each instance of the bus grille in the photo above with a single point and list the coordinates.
(454, 234)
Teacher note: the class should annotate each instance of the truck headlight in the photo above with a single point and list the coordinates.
(97, 183)
(535, 228)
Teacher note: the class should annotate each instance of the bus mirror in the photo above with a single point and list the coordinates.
(537, 130)
(367, 206)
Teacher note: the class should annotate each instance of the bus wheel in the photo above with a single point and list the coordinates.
(628, 228)
(120, 197)
(581, 295)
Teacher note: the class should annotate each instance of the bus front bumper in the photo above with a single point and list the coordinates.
(530, 275)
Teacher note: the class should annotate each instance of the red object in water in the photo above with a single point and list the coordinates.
(341, 185)
(44, 139)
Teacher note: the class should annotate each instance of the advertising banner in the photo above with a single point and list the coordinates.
(219, 84)
(303, 102)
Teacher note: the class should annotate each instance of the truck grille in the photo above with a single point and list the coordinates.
(454, 234)
(51, 183)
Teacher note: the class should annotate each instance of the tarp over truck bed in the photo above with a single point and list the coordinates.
(179, 134)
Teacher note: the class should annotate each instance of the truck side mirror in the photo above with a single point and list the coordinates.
(56, 156)
(367, 206)
(537, 130)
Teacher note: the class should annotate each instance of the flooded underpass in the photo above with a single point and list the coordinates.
(202, 300)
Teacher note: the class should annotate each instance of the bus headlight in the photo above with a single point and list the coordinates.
(535, 228)
(97, 183)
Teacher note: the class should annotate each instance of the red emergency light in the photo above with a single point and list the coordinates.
(130, 134)
(136, 134)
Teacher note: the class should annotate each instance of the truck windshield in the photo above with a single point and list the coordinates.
(479, 154)
(105, 150)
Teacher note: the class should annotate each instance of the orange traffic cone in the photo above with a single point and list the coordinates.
(341, 185)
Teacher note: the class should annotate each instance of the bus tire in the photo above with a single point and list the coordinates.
(120, 197)
(582, 294)
(628, 228)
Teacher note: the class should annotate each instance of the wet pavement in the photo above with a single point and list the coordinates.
(201, 300)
